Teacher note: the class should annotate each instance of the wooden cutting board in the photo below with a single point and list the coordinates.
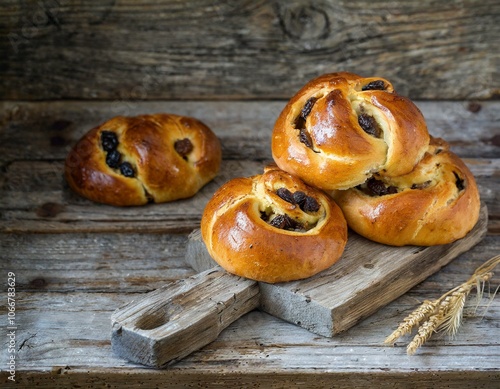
(183, 316)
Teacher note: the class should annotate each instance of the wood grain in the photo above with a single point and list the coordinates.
(36, 137)
(75, 262)
(367, 277)
(47, 130)
(256, 350)
(257, 347)
(35, 198)
(204, 49)
(172, 322)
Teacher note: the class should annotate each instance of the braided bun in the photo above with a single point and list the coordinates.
(340, 129)
(149, 158)
(273, 228)
(437, 203)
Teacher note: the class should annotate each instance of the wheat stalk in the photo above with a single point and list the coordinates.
(446, 312)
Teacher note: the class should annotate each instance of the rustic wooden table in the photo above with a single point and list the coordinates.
(75, 262)
(68, 66)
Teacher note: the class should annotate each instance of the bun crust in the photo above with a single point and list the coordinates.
(437, 203)
(341, 128)
(254, 228)
(149, 158)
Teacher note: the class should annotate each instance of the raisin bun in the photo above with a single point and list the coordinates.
(437, 203)
(340, 129)
(273, 228)
(149, 158)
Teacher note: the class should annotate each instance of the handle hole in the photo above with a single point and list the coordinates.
(162, 315)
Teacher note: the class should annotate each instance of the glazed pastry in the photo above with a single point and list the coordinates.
(149, 158)
(273, 228)
(437, 203)
(340, 129)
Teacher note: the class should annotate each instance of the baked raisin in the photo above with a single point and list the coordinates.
(109, 140)
(113, 159)
(377, 188)
(421, 185)
(459, 182)
(310, 205)
(183, 147)
(127, 170)
(286, 195)
(300, 121)
(374, 85)
(305, 138)
(283, 222)
(299, 197)
(308, 107)
(369, 125)
(392, 189)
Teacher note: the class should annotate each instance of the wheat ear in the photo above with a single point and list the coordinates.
(444, 313)
(413, 320)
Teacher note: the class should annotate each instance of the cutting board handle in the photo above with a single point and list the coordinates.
(183, 316)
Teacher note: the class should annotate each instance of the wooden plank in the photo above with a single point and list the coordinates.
(170, 323)
(81, 322)
(94, 262)
(47, 130)
(57, 322)
(61, 378)
(65, 336)
(244, 49)
(35, 198)
(139, 263)
(25, 207)
(367, 277)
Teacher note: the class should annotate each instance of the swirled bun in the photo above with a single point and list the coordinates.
(340, 129)
(150, 158)
(273, 228)
(437, 203)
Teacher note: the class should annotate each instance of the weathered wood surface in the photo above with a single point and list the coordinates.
(181, 317)
(72, 277)
(36, 137)
(367, 277)
(208, 49)
(51, 128)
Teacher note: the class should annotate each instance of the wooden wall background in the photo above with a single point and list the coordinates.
(244, 49)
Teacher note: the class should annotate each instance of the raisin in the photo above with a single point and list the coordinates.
(378, 188)
(284, 222)
(305, 138)
(286, 195)
(113, 159)
(127, 170)
(421, 185)
(299, 197)
(109, 140)
(392, 189)
(308, 107)
(310, 205)
(300, 121)
(369, 125)
(183, 147)
(459, 182)
(374, 85)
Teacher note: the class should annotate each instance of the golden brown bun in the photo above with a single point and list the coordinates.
(161, 158)
(319, 135)
(437, 203)
(245, 230)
